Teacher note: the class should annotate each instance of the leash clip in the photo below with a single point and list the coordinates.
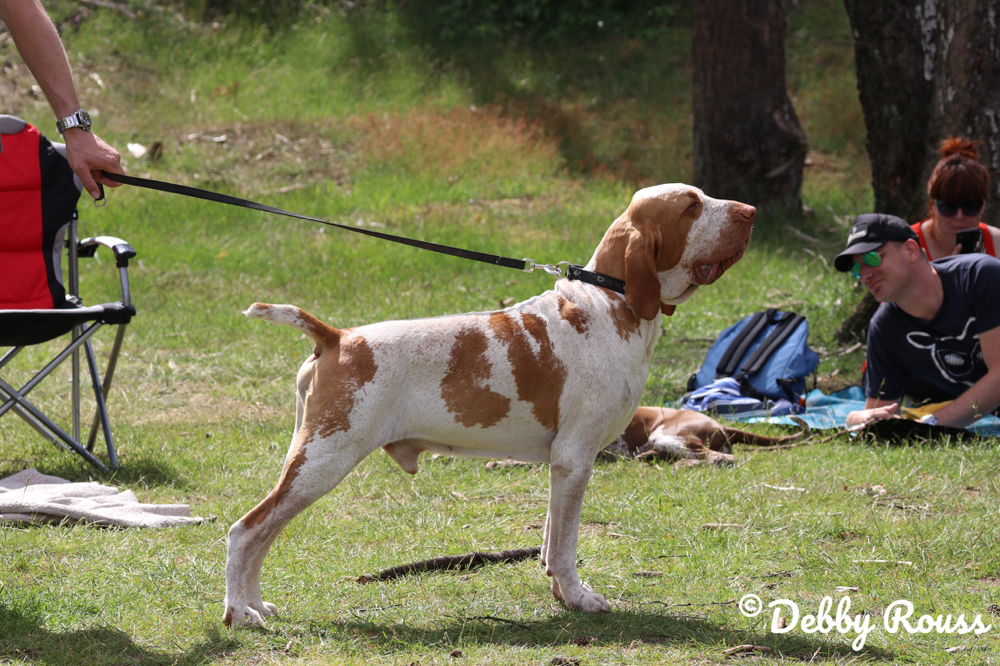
(551, 269)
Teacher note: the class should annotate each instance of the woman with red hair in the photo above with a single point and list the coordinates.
(958, 189)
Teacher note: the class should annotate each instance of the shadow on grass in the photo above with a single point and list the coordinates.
(24, 638)
(618, 628)
(133, 472)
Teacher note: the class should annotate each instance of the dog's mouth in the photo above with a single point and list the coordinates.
(709, 272)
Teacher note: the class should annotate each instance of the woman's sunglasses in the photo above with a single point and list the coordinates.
(873, 259)
(950, 208)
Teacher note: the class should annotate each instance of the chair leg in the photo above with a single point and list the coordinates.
(109, 375)
(75, 386)
(17, 400)
(40, 428)
(102, 410)
(21, 401)
(53, 364)
(14, 351)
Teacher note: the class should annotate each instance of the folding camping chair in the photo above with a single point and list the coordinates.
(38, 196)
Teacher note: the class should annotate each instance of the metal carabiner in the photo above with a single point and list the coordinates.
(102, 200)
(551, 269)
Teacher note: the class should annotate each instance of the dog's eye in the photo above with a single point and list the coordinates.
(695, 204)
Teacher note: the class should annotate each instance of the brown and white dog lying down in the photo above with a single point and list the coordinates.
(685, 436)
(554, 379)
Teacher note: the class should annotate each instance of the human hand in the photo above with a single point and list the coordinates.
(862, 416)
(882, 413)
(88, 155)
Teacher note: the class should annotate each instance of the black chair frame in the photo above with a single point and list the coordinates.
(85, 322)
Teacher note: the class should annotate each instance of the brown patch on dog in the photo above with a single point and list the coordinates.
(539, 377)
(574, 315)
(260, 513)
(321, 333)
(626, 321)
(464, 387)
(636, 436)
(346, 366)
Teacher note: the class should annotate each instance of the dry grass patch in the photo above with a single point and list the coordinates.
(449, 144)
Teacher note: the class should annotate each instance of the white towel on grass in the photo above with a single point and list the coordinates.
(32, 497)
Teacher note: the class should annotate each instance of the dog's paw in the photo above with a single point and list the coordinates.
(583, 599)
(246, 616)
(592, 601)
(264, 608)
(556, 591)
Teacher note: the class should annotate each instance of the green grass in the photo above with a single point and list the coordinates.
(324, 124)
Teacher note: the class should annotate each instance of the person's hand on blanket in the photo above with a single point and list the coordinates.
(879, 413)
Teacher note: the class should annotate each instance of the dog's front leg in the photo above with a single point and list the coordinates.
(569, 473)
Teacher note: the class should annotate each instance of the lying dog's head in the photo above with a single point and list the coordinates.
(671, 240)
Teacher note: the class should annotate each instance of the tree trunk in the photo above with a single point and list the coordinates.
(927, 69)
(748, 144)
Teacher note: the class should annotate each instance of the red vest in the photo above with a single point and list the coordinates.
(987, 238)
(37, 202)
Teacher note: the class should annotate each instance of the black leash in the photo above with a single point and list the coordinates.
(573, 272)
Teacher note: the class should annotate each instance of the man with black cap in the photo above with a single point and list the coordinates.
(938, 323)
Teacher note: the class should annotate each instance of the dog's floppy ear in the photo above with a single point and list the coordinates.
(642, 281)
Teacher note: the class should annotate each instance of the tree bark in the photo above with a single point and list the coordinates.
(927, 69)
(748, 144)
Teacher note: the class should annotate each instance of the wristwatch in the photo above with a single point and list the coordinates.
(79, 118)
(930, 419)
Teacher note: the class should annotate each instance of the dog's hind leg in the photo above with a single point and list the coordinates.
(569, 473)
(252, 582)
(312, 469)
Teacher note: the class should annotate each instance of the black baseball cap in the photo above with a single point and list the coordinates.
(870, 232)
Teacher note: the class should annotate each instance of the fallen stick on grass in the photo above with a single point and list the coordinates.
(746, 648)
(467, 561)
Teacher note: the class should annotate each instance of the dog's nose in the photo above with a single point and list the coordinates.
(748, 213)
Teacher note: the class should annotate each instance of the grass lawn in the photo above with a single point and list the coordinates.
(534, 154)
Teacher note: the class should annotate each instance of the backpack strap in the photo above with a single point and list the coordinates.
(786, 326)
(741, 343)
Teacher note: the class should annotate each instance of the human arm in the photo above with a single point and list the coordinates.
(875, 410)
(39, 45)
(884, 374)
(982, 397)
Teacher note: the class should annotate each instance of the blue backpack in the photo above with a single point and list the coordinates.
(766, 353)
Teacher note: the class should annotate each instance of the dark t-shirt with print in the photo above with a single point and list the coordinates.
(944, 351)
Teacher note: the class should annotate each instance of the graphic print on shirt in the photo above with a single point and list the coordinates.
(952, 356)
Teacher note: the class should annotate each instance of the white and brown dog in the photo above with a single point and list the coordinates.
(554, 379)
(687, 437)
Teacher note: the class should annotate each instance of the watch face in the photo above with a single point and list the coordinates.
(84, 117)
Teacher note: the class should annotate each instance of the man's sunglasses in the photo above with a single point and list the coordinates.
(950, 208)
(873, 259)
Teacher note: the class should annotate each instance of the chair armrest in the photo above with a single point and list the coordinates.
(123, 251)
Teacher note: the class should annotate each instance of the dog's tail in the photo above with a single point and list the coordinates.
(734, 436)
(322, 334)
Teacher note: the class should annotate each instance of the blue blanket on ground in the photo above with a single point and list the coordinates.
(825, 412)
